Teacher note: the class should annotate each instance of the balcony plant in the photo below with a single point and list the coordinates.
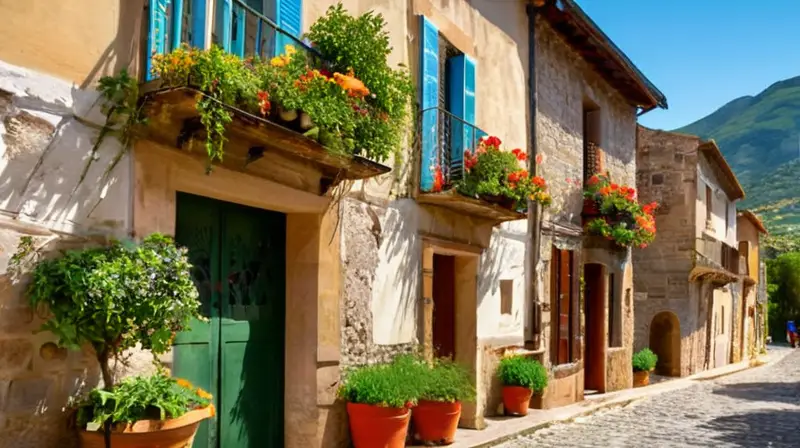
(521, 377)
(612, 211)
(499, 177)
(115, 298)
(445, 385)
(342, 93)
(379, 398)
(644, 361)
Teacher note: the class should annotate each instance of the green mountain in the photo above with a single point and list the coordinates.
(760, 137)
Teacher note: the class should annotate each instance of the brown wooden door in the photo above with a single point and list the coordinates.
(594, 301)
(444, 305)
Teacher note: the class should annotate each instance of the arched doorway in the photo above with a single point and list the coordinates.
(665, 342)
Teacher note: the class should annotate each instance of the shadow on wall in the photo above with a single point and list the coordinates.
(750, 429)
(46, 150)
(124, 50)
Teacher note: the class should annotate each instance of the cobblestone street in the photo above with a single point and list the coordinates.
(756, 408)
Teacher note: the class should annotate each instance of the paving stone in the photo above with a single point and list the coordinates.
(755, 408)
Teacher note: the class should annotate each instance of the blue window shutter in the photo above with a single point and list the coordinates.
(289, 19)
(198, 23)
(461, 93)
(225, 14)
(177, 23)
(237, 33)
(429, 82)
(157, 32)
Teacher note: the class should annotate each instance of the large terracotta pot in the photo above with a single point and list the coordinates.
(377, 427)
(641, 378)
(436, 422)
(174, 433)
(516, 400)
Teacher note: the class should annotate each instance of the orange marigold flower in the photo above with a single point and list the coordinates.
(351, 84)
(203, 394)
(538, 181)
(184, 383)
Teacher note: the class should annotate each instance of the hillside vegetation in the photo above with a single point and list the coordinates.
(760, 137)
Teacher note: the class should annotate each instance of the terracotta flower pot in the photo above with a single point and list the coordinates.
(175, 433)
(436, 421)
(537, 401)
(641, 378)
(376, 426)
(305, 121)
(516, 400)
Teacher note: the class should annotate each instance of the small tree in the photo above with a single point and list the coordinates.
(115, 297)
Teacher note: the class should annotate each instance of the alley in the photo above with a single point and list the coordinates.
(754, 408)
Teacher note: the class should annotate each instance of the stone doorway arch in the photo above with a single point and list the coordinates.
(665, 341)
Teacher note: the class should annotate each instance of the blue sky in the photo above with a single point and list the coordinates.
(703, 53)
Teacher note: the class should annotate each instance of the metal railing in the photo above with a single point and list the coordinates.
(443, 138)
(236, 27)
(252, 33)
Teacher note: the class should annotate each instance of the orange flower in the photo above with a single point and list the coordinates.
(520, 154)
(538, 181)
(594, 180)
(605, 191)
(184, 383)
(263, 102)
(351, 84)
(203, 394)
(438, 179)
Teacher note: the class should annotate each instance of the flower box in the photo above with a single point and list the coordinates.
(612, 211)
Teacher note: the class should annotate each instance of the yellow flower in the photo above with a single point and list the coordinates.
(289, 50)
(278, 61)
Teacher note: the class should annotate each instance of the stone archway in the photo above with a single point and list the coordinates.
(665, 341)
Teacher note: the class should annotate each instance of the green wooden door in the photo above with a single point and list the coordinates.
(239, 256)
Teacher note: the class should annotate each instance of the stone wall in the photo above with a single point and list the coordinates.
(362, 237)
(565, 84)
(666, 173)
(47, 130)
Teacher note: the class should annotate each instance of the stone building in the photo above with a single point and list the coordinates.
(687, 282)
(749, 228)
(388, 267)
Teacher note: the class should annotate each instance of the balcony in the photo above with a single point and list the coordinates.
(443, 140)
(283, 146)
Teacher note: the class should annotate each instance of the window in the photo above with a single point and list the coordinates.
(448, 106)
(727, 217)
(709, 198)
(592, 154)
(506, 296)
(564, 298)
(614, 311)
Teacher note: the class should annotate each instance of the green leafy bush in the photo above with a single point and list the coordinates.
(447, 381)
(156, 397)
(522, 371)
(116, 297)
(644, 360)
(397, 384)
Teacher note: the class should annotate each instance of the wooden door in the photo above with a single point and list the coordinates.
(240, 352)
(595, 306)
(444, 305)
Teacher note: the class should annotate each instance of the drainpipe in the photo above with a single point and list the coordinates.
(535, 216)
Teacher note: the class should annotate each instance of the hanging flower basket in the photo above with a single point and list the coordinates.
(499, 177)
(612, 211)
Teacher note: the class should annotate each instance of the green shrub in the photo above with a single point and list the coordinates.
(156, 397)
(644, 360)
(447, 381)
(116, 297)
(397, 384)
(524, 372)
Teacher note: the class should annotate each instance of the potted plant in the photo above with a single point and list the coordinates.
(445, 385)
(644, 361)
(115, 298)
(521, 378)
(499, 177)
(612, 211)
(379, 398)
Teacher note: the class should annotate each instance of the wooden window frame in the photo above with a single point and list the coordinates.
(709, 203)
(573, 346)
